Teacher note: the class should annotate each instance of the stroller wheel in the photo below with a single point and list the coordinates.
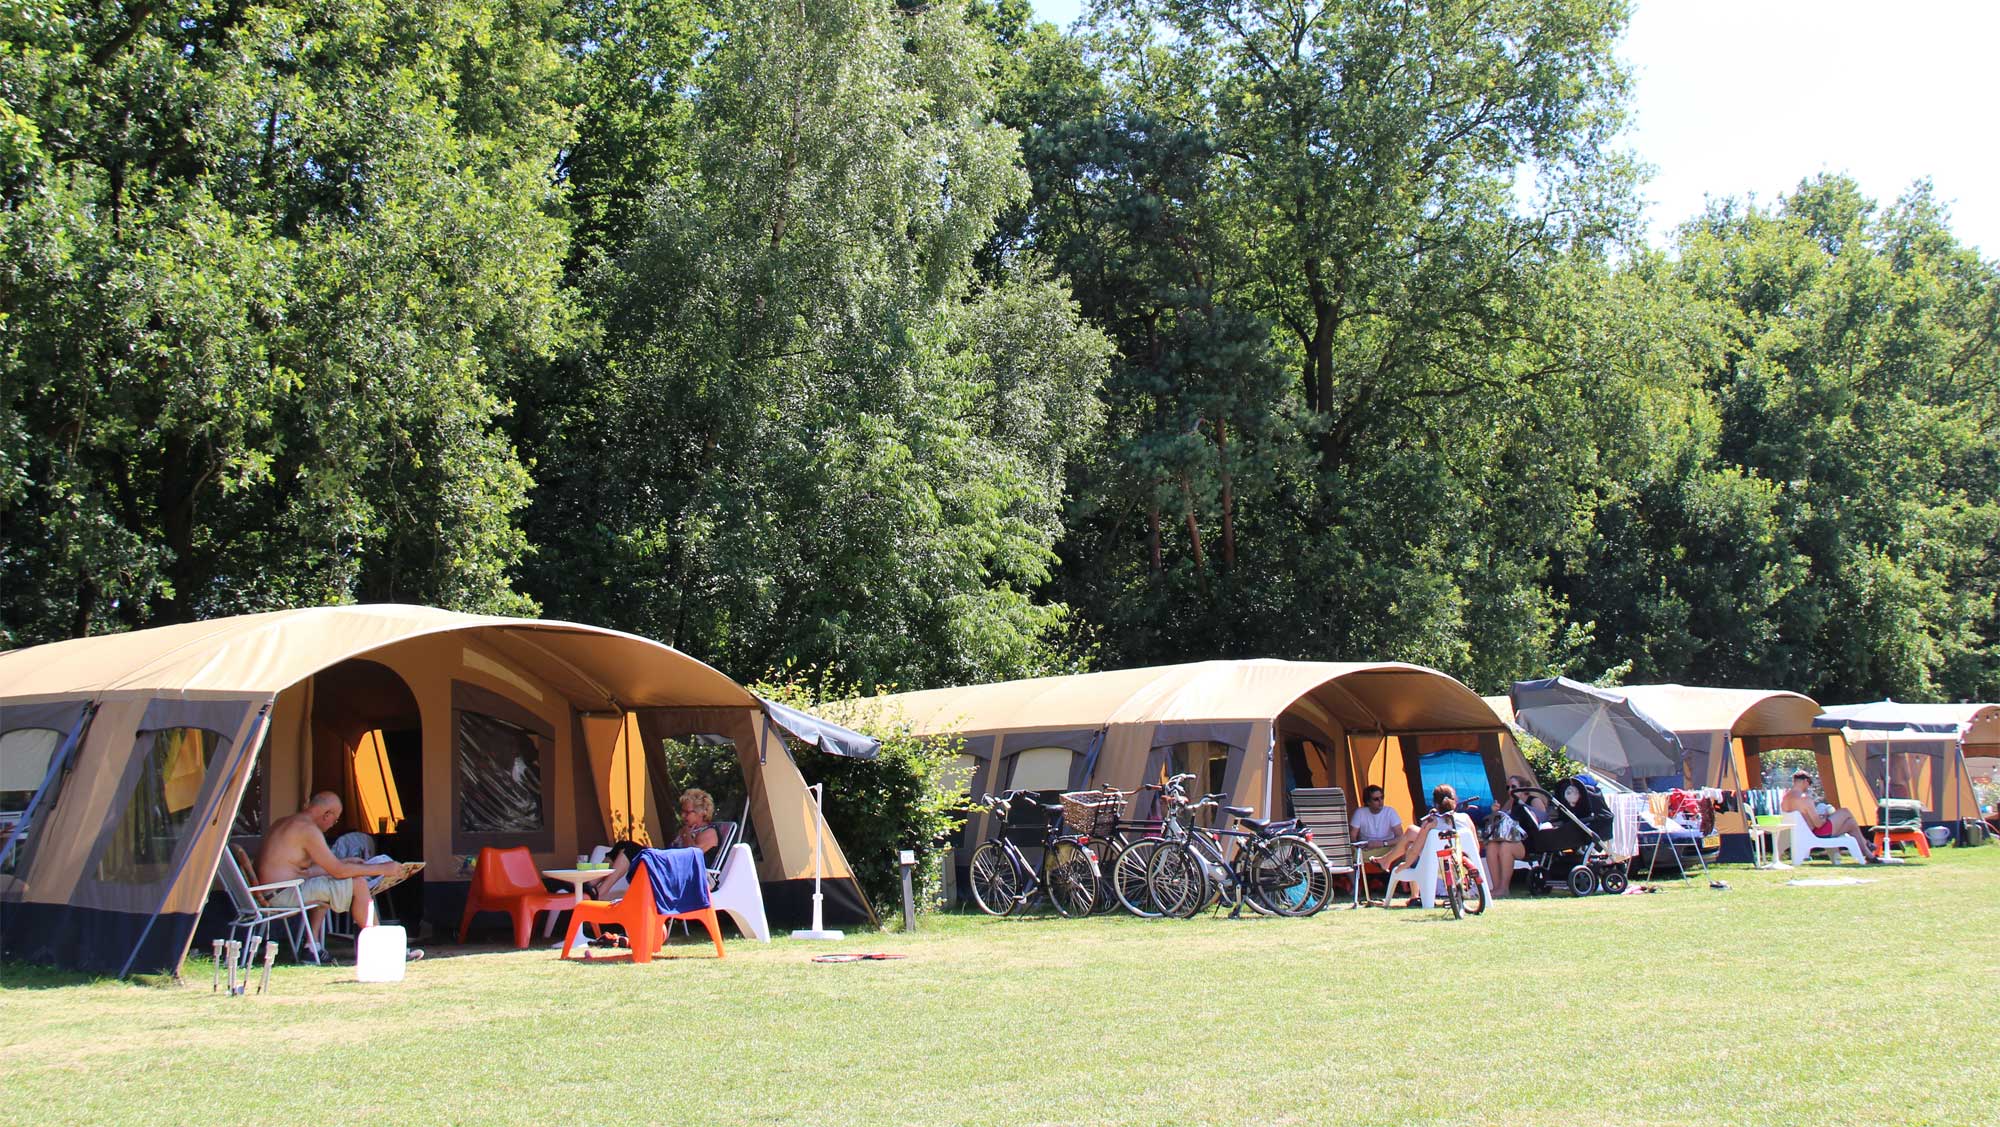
(1615, 881)
(1582, 881)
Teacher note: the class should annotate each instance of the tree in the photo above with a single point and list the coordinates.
(266, 263)
(806, 433)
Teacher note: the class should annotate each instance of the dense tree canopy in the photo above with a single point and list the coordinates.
(904, 342)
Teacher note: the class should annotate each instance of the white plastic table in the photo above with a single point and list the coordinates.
(576, 878)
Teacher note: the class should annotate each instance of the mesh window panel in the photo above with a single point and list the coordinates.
(499, 776)
(24, 762)
(250, 815)
(162, 806)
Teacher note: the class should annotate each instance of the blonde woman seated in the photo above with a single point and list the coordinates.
(697, 832)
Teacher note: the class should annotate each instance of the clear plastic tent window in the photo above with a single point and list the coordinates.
(499, 776)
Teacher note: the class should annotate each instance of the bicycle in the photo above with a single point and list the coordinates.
(1123, 847)
(1131, 858)
(1276, 871)
(1464, 888)
(1003, 882)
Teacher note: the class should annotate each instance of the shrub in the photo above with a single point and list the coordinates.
(906, 798)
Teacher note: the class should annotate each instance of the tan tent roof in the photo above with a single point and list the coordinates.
(1503, 707)
(1368, 696)
(1742, 712)
(263, 654)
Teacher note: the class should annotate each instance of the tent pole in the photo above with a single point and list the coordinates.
(248, 749)
(819, 931)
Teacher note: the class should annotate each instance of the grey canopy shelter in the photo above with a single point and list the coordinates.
(1598, 727)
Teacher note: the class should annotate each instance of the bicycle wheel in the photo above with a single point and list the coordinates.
(1454, 886)
(996, 885)
(1071, 878)
(1128, 879)
(1289, 876)
(1177, 881)
(1472, 890)
(1108, 851)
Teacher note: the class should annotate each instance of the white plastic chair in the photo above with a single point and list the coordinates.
(1424, 875)
(1804, 841)
(739, 893)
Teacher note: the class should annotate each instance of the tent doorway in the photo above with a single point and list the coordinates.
(368, 747)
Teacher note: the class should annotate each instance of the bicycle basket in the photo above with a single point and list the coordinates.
(1092, 813)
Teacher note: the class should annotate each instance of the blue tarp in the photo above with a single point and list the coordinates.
(822, 734)
(1465, 771)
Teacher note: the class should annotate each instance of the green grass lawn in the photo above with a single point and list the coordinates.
(1763, 1004)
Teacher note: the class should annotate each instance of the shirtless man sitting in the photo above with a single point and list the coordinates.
(1799, 799)
(295, 847)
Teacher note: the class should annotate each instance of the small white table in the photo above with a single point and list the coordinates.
(576, 878)
(1767, 842)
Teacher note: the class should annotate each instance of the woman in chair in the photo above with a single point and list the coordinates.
(1444, 804)
(1507, 834)
(696, 832)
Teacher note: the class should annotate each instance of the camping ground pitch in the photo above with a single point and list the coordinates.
(1764, 1004)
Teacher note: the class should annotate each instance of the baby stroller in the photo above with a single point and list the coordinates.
(1574, 848)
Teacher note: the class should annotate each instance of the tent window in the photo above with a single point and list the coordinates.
(1208, 763)
(250, 812)
(173, 765)
(1042, 768)
(958, 777)
(24, 761)
(499, 777)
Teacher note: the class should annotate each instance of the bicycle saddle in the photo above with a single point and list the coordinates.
(1268, 829)
(1238, 811)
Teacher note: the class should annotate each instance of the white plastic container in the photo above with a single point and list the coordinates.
(379, 953)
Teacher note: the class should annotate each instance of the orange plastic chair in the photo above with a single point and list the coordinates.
(506, 880)
(645, 926)
(1902, 837)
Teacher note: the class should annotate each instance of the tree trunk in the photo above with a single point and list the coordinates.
(1194, 531)
(1228, 496)
(1153, 537)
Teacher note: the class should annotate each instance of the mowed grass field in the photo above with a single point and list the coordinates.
(1763, 1004)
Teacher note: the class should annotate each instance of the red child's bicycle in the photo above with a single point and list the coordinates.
(1464, 887)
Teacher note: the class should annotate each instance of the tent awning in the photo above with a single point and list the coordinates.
(1955, 720)
(822, 734)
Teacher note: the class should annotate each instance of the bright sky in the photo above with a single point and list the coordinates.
(1734, 97)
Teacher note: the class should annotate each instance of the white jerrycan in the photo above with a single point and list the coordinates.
(379, 953)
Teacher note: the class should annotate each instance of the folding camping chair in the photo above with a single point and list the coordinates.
(1679, 830)
(1322, 811)
(255, 917)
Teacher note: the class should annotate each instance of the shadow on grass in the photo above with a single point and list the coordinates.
(29, 976)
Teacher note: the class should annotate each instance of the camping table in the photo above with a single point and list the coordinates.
(576, 878)
(1764, 841)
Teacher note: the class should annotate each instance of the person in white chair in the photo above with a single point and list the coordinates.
(1444, 804)
(1799, 800)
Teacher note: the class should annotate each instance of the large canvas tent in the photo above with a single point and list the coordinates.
(1920, 751)
(445, 732)
(1725, 733)
(1255, 730)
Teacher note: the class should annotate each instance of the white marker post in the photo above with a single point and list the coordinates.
(818, 930)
